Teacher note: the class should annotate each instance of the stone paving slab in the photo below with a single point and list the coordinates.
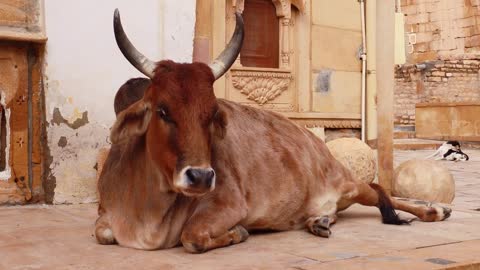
(61, 237)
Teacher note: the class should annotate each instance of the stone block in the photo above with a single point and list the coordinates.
(438, 73)
(434, 79)
(465, 22)
(410, 10)
(472, 41)
(417, 18)
(424, 37)
(436, 16)
(344, 94)
(342, 14)
(339, 55)
(421, 47)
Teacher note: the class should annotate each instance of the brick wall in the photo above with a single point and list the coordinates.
(446, 80)
(443, 37)
(441, 28)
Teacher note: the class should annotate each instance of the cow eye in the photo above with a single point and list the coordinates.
(162, 113)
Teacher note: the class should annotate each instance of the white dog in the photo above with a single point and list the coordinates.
(449, 151)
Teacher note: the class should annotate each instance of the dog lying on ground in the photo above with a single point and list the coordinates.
(450, 151)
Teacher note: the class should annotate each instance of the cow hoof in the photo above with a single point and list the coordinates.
(443, 213)
(104, 236)
(321, 227)
(239, 234)
(436, 213)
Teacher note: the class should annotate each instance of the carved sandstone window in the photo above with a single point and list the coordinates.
(263, 74)
(261, 44)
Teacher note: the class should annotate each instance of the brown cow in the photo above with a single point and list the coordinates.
(188, 168)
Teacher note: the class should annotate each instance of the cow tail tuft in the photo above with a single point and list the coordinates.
(389, 216)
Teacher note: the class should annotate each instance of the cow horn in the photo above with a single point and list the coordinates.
(136, 58)
(225, 60)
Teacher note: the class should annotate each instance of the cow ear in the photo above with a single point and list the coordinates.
(220, 124)
(131, 122)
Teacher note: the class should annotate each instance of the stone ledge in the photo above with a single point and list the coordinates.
(22, 36)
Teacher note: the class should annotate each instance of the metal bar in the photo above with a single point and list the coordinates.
(31, 62)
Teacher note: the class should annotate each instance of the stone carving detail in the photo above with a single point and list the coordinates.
(283, 8)
(261, 87)
(329, 123)
(21, 99)
(20, 142)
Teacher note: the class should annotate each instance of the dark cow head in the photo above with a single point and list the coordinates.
(178, 114)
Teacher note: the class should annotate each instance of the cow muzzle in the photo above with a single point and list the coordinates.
(195, 181)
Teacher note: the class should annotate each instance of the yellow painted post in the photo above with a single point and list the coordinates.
(203, 32)
(385, 26)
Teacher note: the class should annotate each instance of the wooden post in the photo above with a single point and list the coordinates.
(203, 32)
(385, 26)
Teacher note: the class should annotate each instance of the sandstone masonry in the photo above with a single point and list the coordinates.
(443, 55)
(448, 80)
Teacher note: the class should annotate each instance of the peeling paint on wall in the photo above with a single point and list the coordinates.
(73, 162)
(323, 81)
(58, 119)
(62, 142)
(80, 87)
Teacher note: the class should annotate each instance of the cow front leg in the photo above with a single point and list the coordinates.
(103, 232)
(201, 241)
(213, 227)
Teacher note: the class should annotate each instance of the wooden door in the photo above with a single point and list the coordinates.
(21, 111)
(261, 44)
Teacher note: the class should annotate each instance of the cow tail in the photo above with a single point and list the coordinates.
(389, 216)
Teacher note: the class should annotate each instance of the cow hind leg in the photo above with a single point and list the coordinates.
(103, 232)
(320, 225)
(374, 195)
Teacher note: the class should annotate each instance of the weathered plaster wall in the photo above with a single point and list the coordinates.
(84, 68)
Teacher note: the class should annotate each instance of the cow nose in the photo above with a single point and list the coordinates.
(200, 177)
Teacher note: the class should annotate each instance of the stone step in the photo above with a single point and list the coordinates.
(416, 144)
(404, 128)
(404, 134)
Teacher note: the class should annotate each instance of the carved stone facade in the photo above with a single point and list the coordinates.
(261, 87)
(302, 54)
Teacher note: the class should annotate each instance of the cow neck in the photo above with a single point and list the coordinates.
(172, 203)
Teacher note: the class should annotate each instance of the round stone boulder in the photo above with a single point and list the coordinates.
(356, 155)
(424, 180)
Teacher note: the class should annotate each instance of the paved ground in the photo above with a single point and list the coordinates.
(60, 237)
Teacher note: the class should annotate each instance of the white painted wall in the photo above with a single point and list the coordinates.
(84, 68)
